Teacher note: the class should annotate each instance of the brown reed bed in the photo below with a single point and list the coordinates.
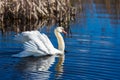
(23, 15)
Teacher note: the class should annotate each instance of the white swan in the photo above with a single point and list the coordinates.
(38, 44)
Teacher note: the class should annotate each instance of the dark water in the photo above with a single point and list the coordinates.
(93, 50)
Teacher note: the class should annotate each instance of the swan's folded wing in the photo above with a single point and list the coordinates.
(49, 45)
(47, 41)
(30, 45)
(38, 41)
(31, 41)
(23, 37)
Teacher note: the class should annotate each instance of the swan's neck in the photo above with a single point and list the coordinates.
(61, 44)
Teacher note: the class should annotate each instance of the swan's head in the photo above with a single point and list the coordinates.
(60, 30)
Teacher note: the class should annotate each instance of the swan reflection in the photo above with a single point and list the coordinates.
(59, 66)
(38, 68)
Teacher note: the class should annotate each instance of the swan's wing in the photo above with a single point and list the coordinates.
(30, 49)
(21, 38)
(38, 41)
(49, 45)
(31, 41)
(24, 36)
(29, 45)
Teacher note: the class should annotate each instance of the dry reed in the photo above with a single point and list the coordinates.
(20, 15)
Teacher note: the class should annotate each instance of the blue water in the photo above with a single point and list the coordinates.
(92, 51)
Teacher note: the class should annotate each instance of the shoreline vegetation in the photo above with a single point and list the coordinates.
(26, 15)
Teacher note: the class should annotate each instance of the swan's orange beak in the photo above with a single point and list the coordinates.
(64, 31)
